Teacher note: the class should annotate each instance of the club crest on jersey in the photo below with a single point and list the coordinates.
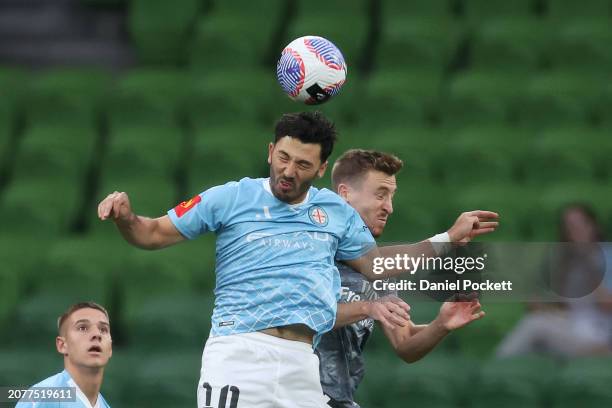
(318, 216)
(185, 206)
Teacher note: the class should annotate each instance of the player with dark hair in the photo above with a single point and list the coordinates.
(276, 282)
(365, 179)
(84, 339)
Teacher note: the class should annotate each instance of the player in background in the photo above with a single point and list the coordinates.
(269, 232)
(84, 340)
(365, 179)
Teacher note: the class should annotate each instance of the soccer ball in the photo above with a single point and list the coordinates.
(311, 69)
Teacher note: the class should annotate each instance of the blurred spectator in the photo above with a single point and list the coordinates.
(582, 324)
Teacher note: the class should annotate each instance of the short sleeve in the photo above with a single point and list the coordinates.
(357, 240)
(204, 212)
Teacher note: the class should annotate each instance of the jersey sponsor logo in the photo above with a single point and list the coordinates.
(257, 235)
(228, 323)
(185, 206)
(300, 240)
(318, 216)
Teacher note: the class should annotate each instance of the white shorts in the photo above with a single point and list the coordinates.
(256, 370)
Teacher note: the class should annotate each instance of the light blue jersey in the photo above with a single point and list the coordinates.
(64, 379)
(275, 261)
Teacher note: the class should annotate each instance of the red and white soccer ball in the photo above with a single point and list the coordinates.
(311, 69)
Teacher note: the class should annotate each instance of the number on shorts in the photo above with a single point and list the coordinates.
(223, 396)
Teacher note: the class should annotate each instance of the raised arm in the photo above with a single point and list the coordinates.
(467, 226)
(142, 232)
(412, 343)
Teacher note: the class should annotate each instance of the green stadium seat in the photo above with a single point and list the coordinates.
(419, 147)
(25, 208)
(603, 115)
(194, 259)
(560, 97)
(219, 42)
(431, 382)
(22, 366)
(427, 43)
(503, 145)
(584, 382)
(582, 45)
(6, 136)
(21, 256)
(566, 154)
(137, 378)
(401, 97)
(549, 164)
(571, 10)
(418, 8)
(167, 379)
(149, 96)
(227, 96)
(161, 30)
(341, 7)
(515, 44)
(63, 151)
(119, 377)
(146, 149)
(9, 298)
(12, 80)
(79, 266)
(66, 96)
(521, 381)
(243, 9)
(183, 317)
(150, 275)
(219, 39)
(515, 204)
(479, 154)
(482, 9)
(482, 98)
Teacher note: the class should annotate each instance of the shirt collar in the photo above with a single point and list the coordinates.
(80, 395)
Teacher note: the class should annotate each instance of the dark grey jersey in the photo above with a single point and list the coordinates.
(340, 351)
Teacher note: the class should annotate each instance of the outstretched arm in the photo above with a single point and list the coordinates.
(143, 232)
(468, 226)
(412, 343)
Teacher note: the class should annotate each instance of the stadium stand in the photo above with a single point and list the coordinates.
(496, 104)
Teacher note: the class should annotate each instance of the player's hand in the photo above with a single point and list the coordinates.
(472, 224)
(456, 314)
(390, 311)
(116, 205)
